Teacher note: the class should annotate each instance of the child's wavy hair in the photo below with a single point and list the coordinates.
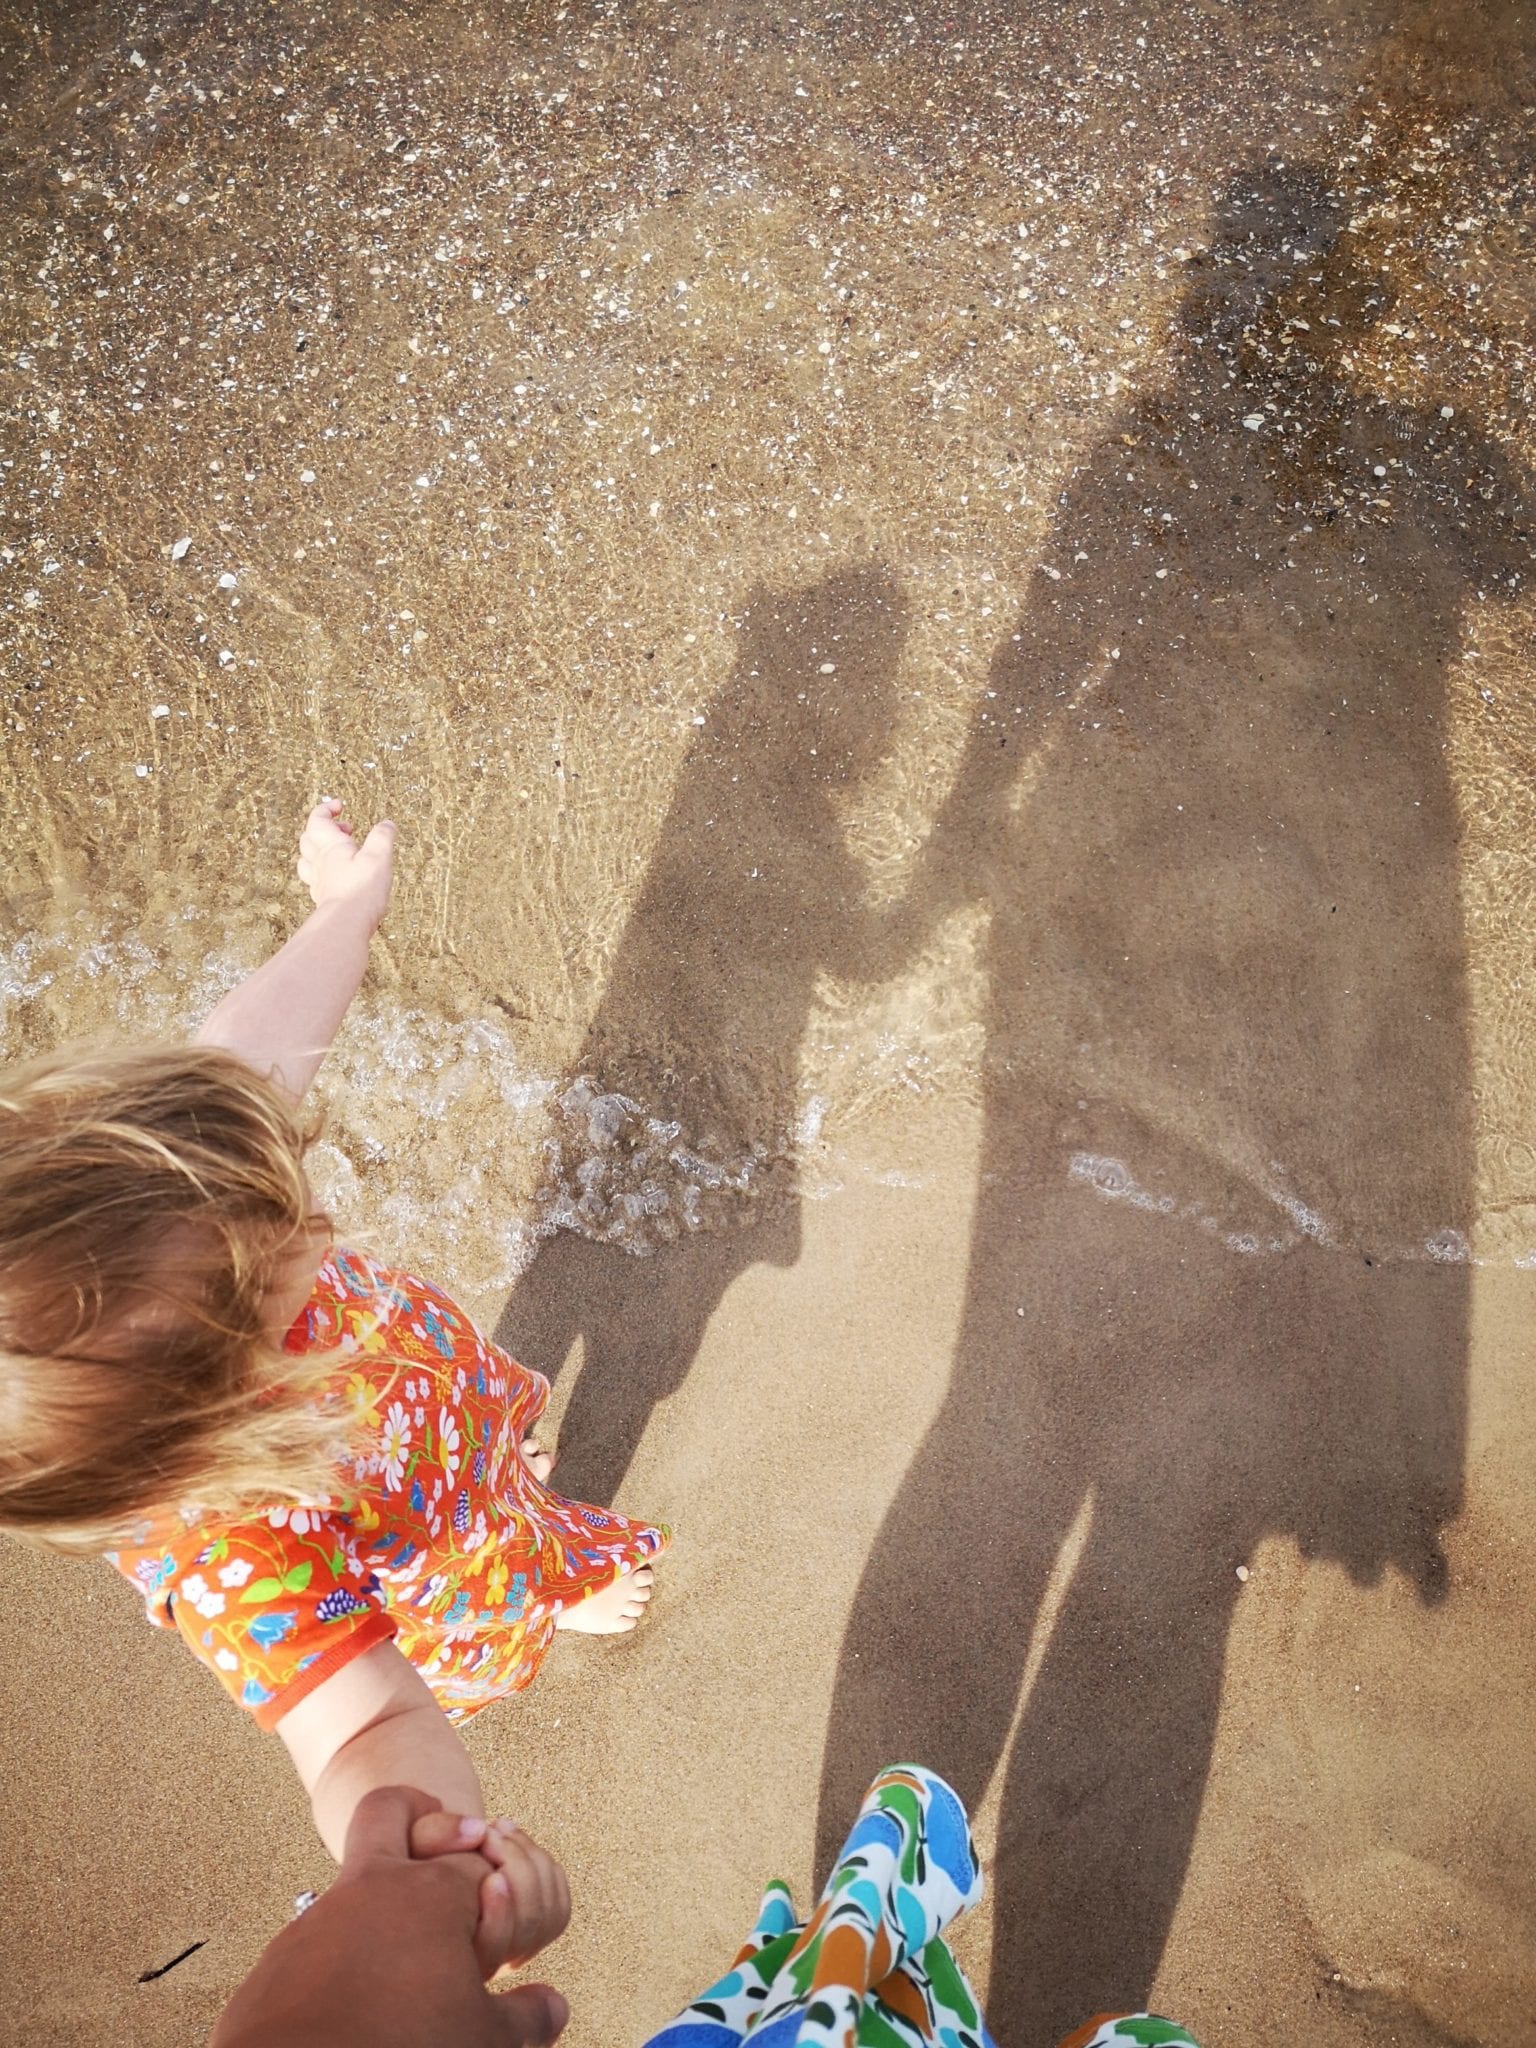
(149, 1199)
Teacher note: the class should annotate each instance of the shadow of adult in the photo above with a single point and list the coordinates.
(671, 1167)
(1217, 1287)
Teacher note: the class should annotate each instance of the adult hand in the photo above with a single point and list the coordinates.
(387, 1957)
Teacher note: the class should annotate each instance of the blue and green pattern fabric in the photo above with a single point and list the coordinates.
(871, 1968)
(1129, 2030)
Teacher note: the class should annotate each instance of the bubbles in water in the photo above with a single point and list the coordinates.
(1306, 1220)
(19, 980)
(812, 1117)
(618, 1175)
(1449, 1247)
(333, 1177)
(1109, 1176)
(1113, 1179)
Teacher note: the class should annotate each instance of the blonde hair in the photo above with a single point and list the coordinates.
(149, 1199)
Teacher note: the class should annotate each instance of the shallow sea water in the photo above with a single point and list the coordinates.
(891, 567)
(501, 443)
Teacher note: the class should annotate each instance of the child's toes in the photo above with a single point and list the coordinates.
(613, 1609)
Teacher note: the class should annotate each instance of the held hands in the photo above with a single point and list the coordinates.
(394, 1954)
(525, 1902)
(335, 869)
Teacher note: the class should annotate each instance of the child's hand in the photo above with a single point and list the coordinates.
(336, 870)
(525, 1902)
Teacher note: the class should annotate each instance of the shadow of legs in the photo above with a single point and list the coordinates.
(640, 1322)
(937, 1642)
(1106, 1776)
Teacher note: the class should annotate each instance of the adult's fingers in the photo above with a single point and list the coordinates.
(531, 2016)
(524, 1898)
(381, 1823)
(437, 1835)
(446, 1834)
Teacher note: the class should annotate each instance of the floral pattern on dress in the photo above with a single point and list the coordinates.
(439, 1536)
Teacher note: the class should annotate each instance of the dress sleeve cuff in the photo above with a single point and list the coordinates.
(377, 1628)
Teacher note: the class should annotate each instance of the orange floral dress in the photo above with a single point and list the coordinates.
(440, 1537)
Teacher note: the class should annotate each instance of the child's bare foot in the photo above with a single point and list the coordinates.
(539, 1461)
(619, 1607)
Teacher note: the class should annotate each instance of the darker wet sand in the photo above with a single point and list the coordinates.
(944, 605)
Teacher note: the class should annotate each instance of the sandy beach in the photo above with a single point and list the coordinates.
(944, 604)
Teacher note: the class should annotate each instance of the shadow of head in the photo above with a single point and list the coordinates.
(1280, 276)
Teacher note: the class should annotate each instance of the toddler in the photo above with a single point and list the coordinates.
(316, 1470)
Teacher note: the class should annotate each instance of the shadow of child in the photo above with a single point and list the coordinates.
(672, 1162)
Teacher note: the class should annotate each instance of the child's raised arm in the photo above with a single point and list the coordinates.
(282, 1018)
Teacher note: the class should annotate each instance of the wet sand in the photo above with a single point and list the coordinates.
(943, 602)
